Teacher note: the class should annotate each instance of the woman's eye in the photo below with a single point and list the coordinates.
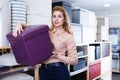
(59, 16)
(53, 16)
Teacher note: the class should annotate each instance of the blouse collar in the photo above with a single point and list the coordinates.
(58, 30)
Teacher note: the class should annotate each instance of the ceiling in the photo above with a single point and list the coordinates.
(96, 6)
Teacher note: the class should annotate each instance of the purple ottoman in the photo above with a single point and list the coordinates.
(32, 46)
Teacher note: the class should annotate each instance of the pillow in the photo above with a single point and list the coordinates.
(17, 76)
(8, 59)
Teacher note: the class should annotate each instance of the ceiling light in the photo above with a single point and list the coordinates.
(107, 5)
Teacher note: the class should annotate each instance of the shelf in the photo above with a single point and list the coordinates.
(78, 71)
(116, 71)
(17, 69)
(100, 61)
(83, 56)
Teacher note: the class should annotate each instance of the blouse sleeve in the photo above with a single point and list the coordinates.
(71, 51)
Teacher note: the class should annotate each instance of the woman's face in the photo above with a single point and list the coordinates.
(57, 19)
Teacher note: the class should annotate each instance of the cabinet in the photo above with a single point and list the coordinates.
(77, 30)
(81, 69)
(94, 62)
(100, 61)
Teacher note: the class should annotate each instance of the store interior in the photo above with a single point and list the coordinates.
(96, 30)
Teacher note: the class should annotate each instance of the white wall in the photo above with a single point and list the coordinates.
(5, 21)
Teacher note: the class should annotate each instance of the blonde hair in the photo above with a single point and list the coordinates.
(66, 24)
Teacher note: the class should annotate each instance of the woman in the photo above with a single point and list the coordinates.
(54, 68)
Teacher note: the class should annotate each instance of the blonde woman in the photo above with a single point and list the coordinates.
(54, 68)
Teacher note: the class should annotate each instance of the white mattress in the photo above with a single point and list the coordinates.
(8, 59)
(17, 76)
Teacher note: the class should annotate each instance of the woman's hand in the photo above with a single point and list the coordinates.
(18, 29)
(56, 55)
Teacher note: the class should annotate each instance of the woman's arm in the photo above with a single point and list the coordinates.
(18, 28)
(71, 51)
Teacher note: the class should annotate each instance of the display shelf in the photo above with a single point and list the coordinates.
(115, 71)
(78, 71)
(17, 69)
(82, 66)
(100, 67)
(80, 76)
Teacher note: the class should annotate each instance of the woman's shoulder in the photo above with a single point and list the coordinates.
(68, 35)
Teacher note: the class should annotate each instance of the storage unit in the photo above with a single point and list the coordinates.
(39, 12)
(77, 30)
(94, 70)
(83, 16)
(100, 67)
(81, 69)
(87, 20)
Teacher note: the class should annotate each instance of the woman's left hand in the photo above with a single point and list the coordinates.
(56, 55)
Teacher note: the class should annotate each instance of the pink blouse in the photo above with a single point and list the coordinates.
(62, 42)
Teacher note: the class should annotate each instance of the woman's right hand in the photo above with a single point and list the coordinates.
(18, 29)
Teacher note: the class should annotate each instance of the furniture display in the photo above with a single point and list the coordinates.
(101, 64)
(94, 58)
(77, 30)
(94, 62)
(80, 71)
(83, 16)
